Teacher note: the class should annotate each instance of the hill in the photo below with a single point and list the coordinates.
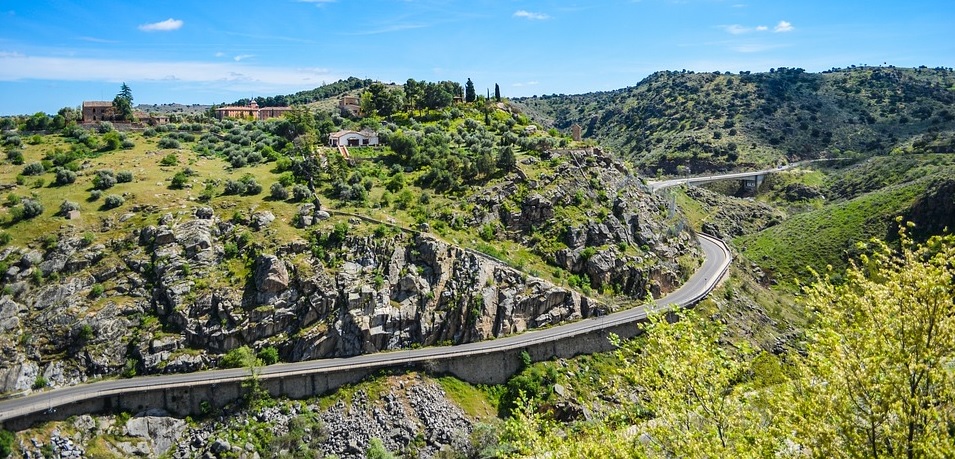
(674, 122)
(166, 249)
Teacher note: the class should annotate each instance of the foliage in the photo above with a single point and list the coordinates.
(113, 201)
(124, 177)
(7, 440)
(168, 142)
(240, 357)
(68, 206)
(31, 208)
(64, 176)
(104, 179)
(376, 450)
(33, 169)
(268, 355)
(877, 379)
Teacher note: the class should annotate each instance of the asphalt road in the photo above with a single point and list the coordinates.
(698, 286)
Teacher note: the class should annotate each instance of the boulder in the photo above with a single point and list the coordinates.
(271, 276)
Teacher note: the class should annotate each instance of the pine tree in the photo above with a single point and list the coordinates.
(123, 103)
(497, 92)
(469, 94)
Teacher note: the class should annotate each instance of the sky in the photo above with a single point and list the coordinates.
(56, 54)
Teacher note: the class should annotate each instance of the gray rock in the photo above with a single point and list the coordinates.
(156, 425)
(204, 213)
(271, 276)
(261, 219)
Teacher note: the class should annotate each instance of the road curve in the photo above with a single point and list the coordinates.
(715, 265)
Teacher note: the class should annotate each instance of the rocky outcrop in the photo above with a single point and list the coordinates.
(730, 217)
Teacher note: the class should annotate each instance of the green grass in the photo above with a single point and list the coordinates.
(474, 401)
(826, 236)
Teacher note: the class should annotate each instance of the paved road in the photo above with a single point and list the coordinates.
(699, 285)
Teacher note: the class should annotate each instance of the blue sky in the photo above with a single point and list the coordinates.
(59, 53)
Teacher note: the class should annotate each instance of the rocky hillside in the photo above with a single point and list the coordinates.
(674, 122)
(172, 274)
(411, 414)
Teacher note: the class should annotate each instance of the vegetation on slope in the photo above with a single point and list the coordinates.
(672, 122)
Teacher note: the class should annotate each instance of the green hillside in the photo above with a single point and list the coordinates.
(720, 121)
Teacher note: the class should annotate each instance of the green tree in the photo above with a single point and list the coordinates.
(506, 161)
(469, 94)
(497, 92)
(877, 380)
(123, 103)
(414, 92)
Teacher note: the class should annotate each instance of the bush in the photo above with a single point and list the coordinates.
(68, 206)
(104, 179)
(278, 192)
(300, 192)
(179, 180)
(15, 156)
(124, 177)
(7, 439)
(168, 142)
(239, 357)
(269, 355)
(31, 208)
(128, 144)
(233, 187)
(251, 186)
(5, 238)
(65, 176)
(34, 169)
(94, 195)
(39, 383)
(113, 201)
(169, 160)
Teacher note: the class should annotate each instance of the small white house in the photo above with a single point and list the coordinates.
(353, 139)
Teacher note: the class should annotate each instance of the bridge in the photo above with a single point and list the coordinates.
(751, 180)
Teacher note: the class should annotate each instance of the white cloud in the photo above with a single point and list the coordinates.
(242, 57)
(224, 75)
(530, 15)
(783, 26)
(736, 29)
(162, 26)
(219, 54)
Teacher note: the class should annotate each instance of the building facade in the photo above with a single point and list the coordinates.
(251, 111)
(353, 139)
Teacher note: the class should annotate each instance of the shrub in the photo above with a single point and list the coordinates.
(104, 126)
(169, 160)
(234, 187)
(179, 180)
(278, 192)
(124, 177)
(251, 186)
(15, 156)
(34, 169)
(113, 201)
(104, 179)
(94, 195)
(300, 192)
(31, 208)
(68, 206)
(128, 144)
(39, 383)
(269, 355)
(65, 176)
(168, 142)
(239, 357)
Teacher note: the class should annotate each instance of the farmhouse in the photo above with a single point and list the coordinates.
(350, 104)
(353, 139)
(251, 111)
(97, 110)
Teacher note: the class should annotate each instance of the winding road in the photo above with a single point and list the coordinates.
(715, 265)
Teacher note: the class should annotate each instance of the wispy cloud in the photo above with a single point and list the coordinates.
(388, 29)
(531, 15)
(162, 26)
(242, 57)
(736, 29)
(220, 54)
(227, 75)
(96, 40)
(783, 26)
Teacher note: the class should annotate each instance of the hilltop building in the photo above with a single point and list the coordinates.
(350, 104)
(251, 111)
(346, 138)
(97, 110)
(102, 110)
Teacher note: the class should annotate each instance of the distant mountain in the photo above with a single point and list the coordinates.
(719, 121)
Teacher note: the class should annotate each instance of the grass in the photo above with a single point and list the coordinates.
(476, 402)
(826, 237)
